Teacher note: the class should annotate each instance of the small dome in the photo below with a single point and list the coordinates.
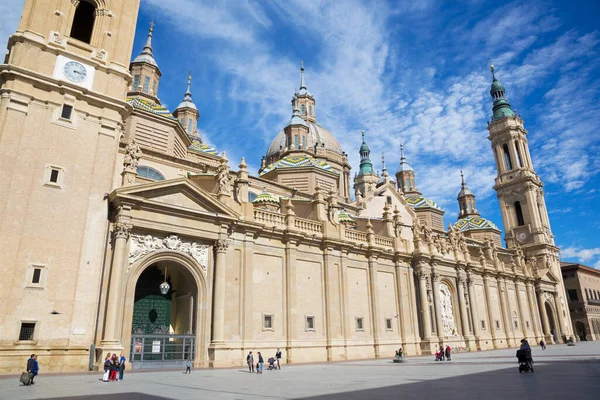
(421, 202)
(299, 161)
(465, 191)
(296, 120)
(265, 198)
(496, 87)
(474, 223)
(188, 104)
(345, 218)
(317, 134)
(404, 166)
(147, 58)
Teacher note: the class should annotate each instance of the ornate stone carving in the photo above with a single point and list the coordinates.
(221, 245)
(448, 323)
(121, 230)
(223, 178)
(132, 156)
(427, 232)
(140, 245)
(441, 244)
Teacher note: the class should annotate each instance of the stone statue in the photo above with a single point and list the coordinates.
(223, 177)
(132, 155)
(427, 232)
(452, 236)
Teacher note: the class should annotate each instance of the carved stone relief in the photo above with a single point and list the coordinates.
(446, 310)
(140, 245)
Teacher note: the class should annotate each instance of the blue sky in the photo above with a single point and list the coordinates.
(404, 71)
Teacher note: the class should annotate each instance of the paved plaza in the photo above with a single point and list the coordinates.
(561, 372)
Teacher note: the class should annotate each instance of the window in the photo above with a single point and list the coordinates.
(497, 324)
(136, 83)
(150, 173)
(296, 141)
(53, 176)
(482, 324)
(37, 273)
(268, 322)
(519, 213)
(572, 294)
(311, 110)
(507, 159)
(388, 324)
(36, 276)
(359, 324)
(154, 87)
(516, 325)
(303, 109)
(527, 324)
(303, 141)
(190, 126)
(146, 84)
(519, 161)
(66, 112)
(587, 294)
(27, 331)
(83, 22)
(310, 323)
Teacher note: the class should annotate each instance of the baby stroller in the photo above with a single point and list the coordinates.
(272, 365)
(439, 356)
(525, 360)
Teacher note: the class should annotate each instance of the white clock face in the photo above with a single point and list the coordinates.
(75, 72)
(522, 236)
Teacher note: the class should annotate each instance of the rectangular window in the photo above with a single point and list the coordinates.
(388, 324)
(136, 82)
(516, 325)
(146, 84)
(54, 175)
(296, 141)
(27, 330)
(268, 321)
(37, 273)
(482, 324)
(572, 294)
(154, 87)
(66, 112)
(310, 323)
(303, 141)
(527, 324)
(359, 324)
(190, 122)
(497, 324)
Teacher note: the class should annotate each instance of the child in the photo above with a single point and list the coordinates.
(188, 366)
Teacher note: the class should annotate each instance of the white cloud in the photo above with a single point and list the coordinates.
(10, 13)
(581, 254)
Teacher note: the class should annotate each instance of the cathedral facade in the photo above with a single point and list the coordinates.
(122, 231)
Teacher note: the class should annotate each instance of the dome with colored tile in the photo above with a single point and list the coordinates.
(150, 106)
(345, 218)
(421, 202)
(265, 198)
(316, 135)
(204, 148)
(299, 161)
(474, 223)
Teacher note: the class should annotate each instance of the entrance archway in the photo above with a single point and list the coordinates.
(551, 321)
(164, 330)
(580, 329)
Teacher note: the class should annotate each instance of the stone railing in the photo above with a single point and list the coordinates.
(356, 236)
(384, 241)
(308, 225)
(269, 218)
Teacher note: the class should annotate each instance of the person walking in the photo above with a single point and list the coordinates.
(542, 344)
(260, 363)
(188, 366)
(442, 353)
(35, 369)
(278, 357)
(122, 361)
(106, 375)
(448, 353)
(250, 361)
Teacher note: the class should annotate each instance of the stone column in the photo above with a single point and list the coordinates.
(504, 305)
(464, 317)
(435, 287)
(221, 246)
(112, 325)
(425, 316)
(533, 311)
(374, 301)
(490, 318)
(520, 307)
(561, 318)
(542, 307)
(473, 300)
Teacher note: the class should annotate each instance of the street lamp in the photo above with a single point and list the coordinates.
(164, 287)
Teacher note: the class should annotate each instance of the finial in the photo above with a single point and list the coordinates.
(363, 135)
(462, 176)
(189, 84)
(383, 161)
(493, 74)
(148, 45)
(401, 151)
(302, 85)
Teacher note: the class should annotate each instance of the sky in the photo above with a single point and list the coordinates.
(406, 72)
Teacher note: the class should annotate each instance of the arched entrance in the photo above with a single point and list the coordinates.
(162, 329)
(551, 321)
(580, 329)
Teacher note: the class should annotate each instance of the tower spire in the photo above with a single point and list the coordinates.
(466, 200)
(366, 166)
(501, 107)
(302, 85)
(148, 45)
(188, 92)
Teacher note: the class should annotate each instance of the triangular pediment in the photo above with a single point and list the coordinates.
(548, 275)
(180, 193)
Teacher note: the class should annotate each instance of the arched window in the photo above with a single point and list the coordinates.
(296, 141)
(303, 109)
(303, 142)
(311, 110)
(190, 126)
(150, 173)
(519, 160)
(507, 159)
(519, 213)
(83, 22)
(252, 197)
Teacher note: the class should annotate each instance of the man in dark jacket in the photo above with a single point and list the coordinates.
(30, 368)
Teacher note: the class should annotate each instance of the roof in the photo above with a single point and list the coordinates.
(474, 223)
(421, 202)
(345, 218)
(150, 106)
(265, 198)
(569, 265)
(204, 148)
(298, 161)
(317, 134)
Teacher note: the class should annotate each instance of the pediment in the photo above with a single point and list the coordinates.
(180, 193)
(548, 275)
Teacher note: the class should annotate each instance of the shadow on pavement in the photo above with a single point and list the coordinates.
(566, 379)
(126, 395)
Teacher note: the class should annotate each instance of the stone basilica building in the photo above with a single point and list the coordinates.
(121, 231)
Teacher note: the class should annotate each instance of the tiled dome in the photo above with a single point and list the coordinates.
(474, 223)
(317, 134)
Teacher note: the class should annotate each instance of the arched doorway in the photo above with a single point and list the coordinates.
(551, 321)
(164, 329)
(580, 329)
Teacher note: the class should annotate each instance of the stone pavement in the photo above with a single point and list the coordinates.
(561, 372)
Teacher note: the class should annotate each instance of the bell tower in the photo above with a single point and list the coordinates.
(63, 88)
